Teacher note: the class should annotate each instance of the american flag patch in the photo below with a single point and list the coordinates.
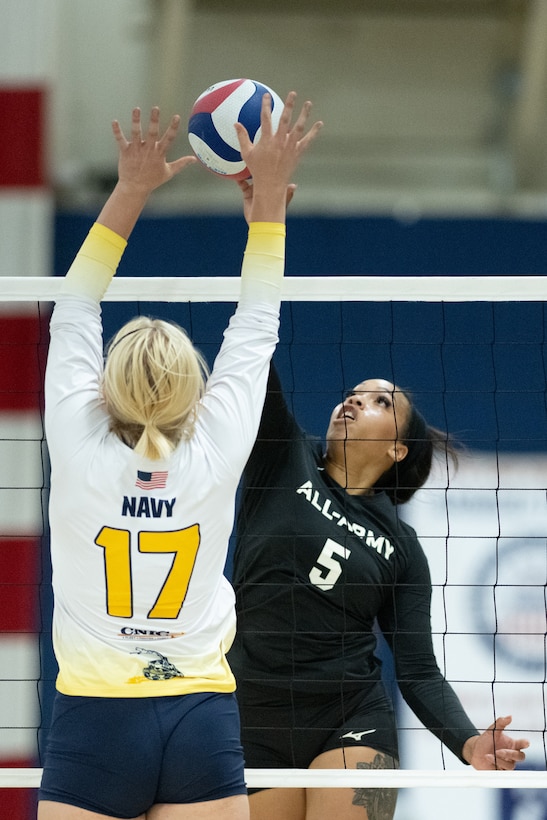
(151, 481)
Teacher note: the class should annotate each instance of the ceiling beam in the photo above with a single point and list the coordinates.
(438, 8)
(529, 136)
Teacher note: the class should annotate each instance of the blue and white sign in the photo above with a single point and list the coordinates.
(486, 541)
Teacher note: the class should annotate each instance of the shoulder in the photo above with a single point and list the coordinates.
(392, 518)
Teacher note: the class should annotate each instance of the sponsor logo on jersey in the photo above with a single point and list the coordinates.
(129, 633)
(357, 736)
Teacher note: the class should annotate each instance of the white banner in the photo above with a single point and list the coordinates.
(486, 541)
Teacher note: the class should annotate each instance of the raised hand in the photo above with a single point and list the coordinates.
(273, 159)
(142, 167)
(142, 161)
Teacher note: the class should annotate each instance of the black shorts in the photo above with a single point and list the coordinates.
(288, 729)
(120, 756)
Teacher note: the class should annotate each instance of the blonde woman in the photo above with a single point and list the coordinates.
(146, 455)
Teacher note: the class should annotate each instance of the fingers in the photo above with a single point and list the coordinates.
(246, 189)
(169, 135)
(136, 133)
(297, 133)
(306, 141)
(291, 188)
(154, 124)
(120, 137)
(284, 127)
(266, 114)
(243, 138)
(183, 162)
(510, 752)
(298, 128)
(500, 724)
(286, 132)
(505, 759)
(153, 131)
(285, 120)
(118, 134)
(142, 159)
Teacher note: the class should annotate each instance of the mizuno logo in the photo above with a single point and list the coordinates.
(358, 735)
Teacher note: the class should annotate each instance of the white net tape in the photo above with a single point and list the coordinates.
(347, 778)
(299, 288)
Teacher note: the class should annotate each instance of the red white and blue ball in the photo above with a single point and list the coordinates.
(211, 124)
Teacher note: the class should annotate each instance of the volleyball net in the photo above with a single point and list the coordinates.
(473, 353)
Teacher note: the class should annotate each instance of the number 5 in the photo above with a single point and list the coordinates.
(325, 560)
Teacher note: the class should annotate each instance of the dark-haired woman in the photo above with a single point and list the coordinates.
(322, 555)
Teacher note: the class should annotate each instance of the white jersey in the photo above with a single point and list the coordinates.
(142, 607)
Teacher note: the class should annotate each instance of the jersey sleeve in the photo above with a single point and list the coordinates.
(406, 625)
(95, 264)
(230, 411)
(276, 422)
(263, 264)
(278, 429)
(75, 357)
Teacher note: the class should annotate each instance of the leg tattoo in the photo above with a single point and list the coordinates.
(379, 803)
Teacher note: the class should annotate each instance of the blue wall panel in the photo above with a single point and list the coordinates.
(477, 369)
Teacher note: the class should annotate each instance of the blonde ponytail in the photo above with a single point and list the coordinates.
(153, 381)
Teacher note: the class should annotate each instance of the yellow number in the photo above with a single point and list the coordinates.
(117, 570)
(183, 544)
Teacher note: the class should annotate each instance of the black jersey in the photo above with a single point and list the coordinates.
(316, 567)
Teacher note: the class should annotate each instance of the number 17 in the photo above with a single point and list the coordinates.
(116, 544)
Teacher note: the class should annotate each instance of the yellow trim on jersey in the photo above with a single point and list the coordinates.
(96, 263)
(91, 683)
(263, 262)
(267, 229)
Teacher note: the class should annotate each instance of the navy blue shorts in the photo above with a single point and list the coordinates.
(120, 756)
(288, 729)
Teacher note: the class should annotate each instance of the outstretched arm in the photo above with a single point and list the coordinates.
(272, 162)
(142, 167)
(493, 749)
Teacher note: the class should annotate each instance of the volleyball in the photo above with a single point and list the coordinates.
(211, 129)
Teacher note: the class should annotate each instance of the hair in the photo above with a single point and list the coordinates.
(406, 476)
(153, 381)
